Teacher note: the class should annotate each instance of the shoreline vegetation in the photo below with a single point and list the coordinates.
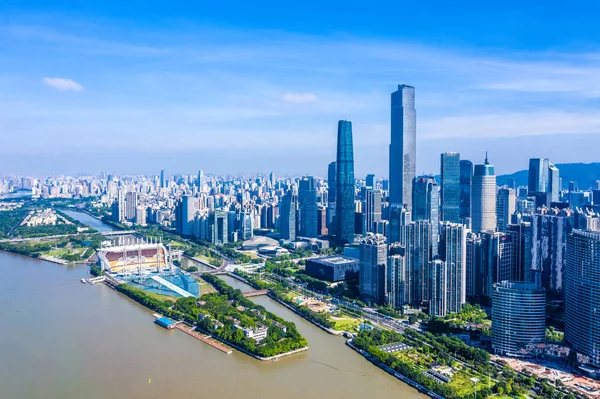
(226, 315)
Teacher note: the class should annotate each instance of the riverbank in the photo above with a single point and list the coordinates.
(394, 373)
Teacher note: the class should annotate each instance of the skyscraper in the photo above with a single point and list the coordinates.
(483, 198)
(450, 187)
(372, 208)
(543, 178)
(331, 197)
(466, 174)
(403, 146)
(131, 205)
(417, 241)
(373, 269)
(399, 216)
(307, 206)
(453, 251)
(518, 317)
(370, 182)
(345, 183)
(438, 288)
(287, 216)
(163, 182)
(184, 215)
(200, 181)
(426, 205)
(582, 295)
(505, 207)
(398, 286)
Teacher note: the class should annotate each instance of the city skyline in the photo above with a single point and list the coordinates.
(156, 89)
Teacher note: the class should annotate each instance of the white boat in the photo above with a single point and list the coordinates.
(83, 281)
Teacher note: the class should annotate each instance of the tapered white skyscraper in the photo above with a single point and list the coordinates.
(483, 198)
(403, 146)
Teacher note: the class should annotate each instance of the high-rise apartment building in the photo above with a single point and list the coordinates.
(307, 207)
(453, 252)
(345, 183)
(403, 146)
(131, 204)
(466, 174)
(438, 288)
(417, 242)
(373, 269)
(483, 198)
(518, 318)
(549, 231)
(450, 187)
(398, 281)
(582, 294)
(497, 261)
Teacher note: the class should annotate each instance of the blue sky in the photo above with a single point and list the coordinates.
(259, 86)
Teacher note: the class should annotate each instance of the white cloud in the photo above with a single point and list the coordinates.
(299, 98)
(62, 84)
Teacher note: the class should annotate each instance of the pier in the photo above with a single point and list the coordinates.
(204, 338)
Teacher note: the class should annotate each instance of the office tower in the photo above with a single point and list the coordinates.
(518, 318)
(163, 181)
(370, 182)
(450, 187)
(438, 288)
(373, 269)
(483, 198)
(345, 183)
(322, 220)
(543, 178)
(399, 216)
(131, 202)
(398, 283)
(200, 181)
(425, 206)
(331, 197)
(218, 227)
(287, 216)
(403, 146)
(453, 252)
(466, 174)
(505, 207)
(582, 294)
(497, 261)
(272, 179)
(372, 208)
(521, 239)
(549, 231)
(381, 227)
(247, 226)
(307, 207)
(474, 261)
(596, 197)
(417, 241)
(185, 211)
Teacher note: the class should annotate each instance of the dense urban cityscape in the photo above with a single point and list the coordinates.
(443, 280)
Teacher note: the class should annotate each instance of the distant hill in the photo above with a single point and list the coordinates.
(584, 174)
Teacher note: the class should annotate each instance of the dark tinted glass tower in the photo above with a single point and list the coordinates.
(450, 187)
(345, 183)
(466, 174)
(307, 204)
(403, 146)
(287, 217)
(331, 197)
(425, 206)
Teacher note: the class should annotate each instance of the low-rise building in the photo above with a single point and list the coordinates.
(333, 268)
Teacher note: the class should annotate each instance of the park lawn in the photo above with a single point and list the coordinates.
(251, 255)
(290, 295)
(461, 381)
(345, 323)
(160, 297)
(205, 288)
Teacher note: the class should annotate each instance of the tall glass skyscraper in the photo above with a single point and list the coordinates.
(307, 205)
(331, 197)
(345, 183)
(483, 197)
(450, 187)
(287, 216)
(543, 178)
(582, 305)
(403, 146)
(426, 205)
(466, 174)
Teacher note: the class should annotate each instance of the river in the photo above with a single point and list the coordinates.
(64, 339)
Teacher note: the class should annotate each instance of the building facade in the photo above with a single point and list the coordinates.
(373, 269)
(483, 198)
(450, 187)
(403, 146)
(345, 183)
